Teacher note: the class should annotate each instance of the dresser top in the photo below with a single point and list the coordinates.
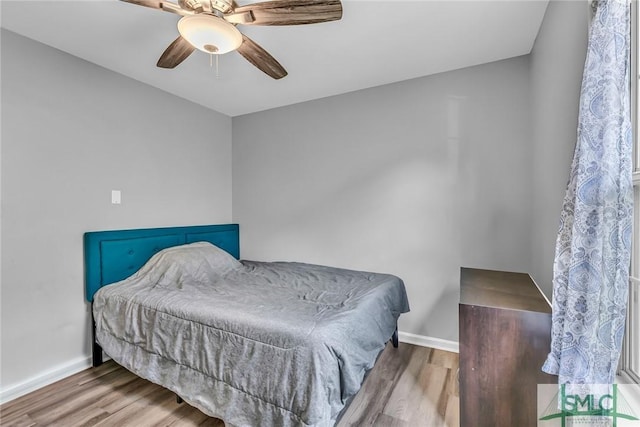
(501, 289)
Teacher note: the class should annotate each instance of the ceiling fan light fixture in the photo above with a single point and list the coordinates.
(209, 33)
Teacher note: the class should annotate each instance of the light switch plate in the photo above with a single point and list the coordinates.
(115, 197)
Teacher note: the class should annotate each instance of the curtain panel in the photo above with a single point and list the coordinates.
(591, 266)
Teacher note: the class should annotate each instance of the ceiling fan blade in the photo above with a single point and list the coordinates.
(290, 12)
(259, 57)
(159, 4)
(177, 52)
(154, 4)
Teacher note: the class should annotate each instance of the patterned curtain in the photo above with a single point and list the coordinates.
(591, 267)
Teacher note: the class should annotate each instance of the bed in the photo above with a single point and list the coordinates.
(251, 343)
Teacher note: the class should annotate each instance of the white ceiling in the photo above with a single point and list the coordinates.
(375, 43)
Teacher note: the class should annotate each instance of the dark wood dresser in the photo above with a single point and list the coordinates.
(505, 335)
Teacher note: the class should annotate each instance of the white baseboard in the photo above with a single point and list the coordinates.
(432, 342)
(44, 379)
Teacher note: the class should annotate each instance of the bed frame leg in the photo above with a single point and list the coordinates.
(96, 350)
(179, 399)
(394, 338)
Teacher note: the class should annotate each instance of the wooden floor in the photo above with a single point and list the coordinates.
(409, 386)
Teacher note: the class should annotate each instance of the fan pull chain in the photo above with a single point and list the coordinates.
(217, 65)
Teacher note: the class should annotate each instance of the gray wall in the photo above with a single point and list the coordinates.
(415, 178)
(557, 62)
(72, 132)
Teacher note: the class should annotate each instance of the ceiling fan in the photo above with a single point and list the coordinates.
(210, 26)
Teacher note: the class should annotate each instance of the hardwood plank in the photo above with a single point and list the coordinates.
(407, 394)
(66, 406)
(84, 417)
(121, 397)
(187, 416)
(452, 413)
(432, 383)
(446, 359)
(368, 403)
(392, 361)
(144, 411)
(22, 421)
(375, 391)
(50, 395)
(384, 420)
(18, 407)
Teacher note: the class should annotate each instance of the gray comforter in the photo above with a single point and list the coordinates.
(255, 344)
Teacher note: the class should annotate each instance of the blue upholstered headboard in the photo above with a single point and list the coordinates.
(110, 256)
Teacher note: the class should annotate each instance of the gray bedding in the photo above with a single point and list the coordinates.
(255, 344)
